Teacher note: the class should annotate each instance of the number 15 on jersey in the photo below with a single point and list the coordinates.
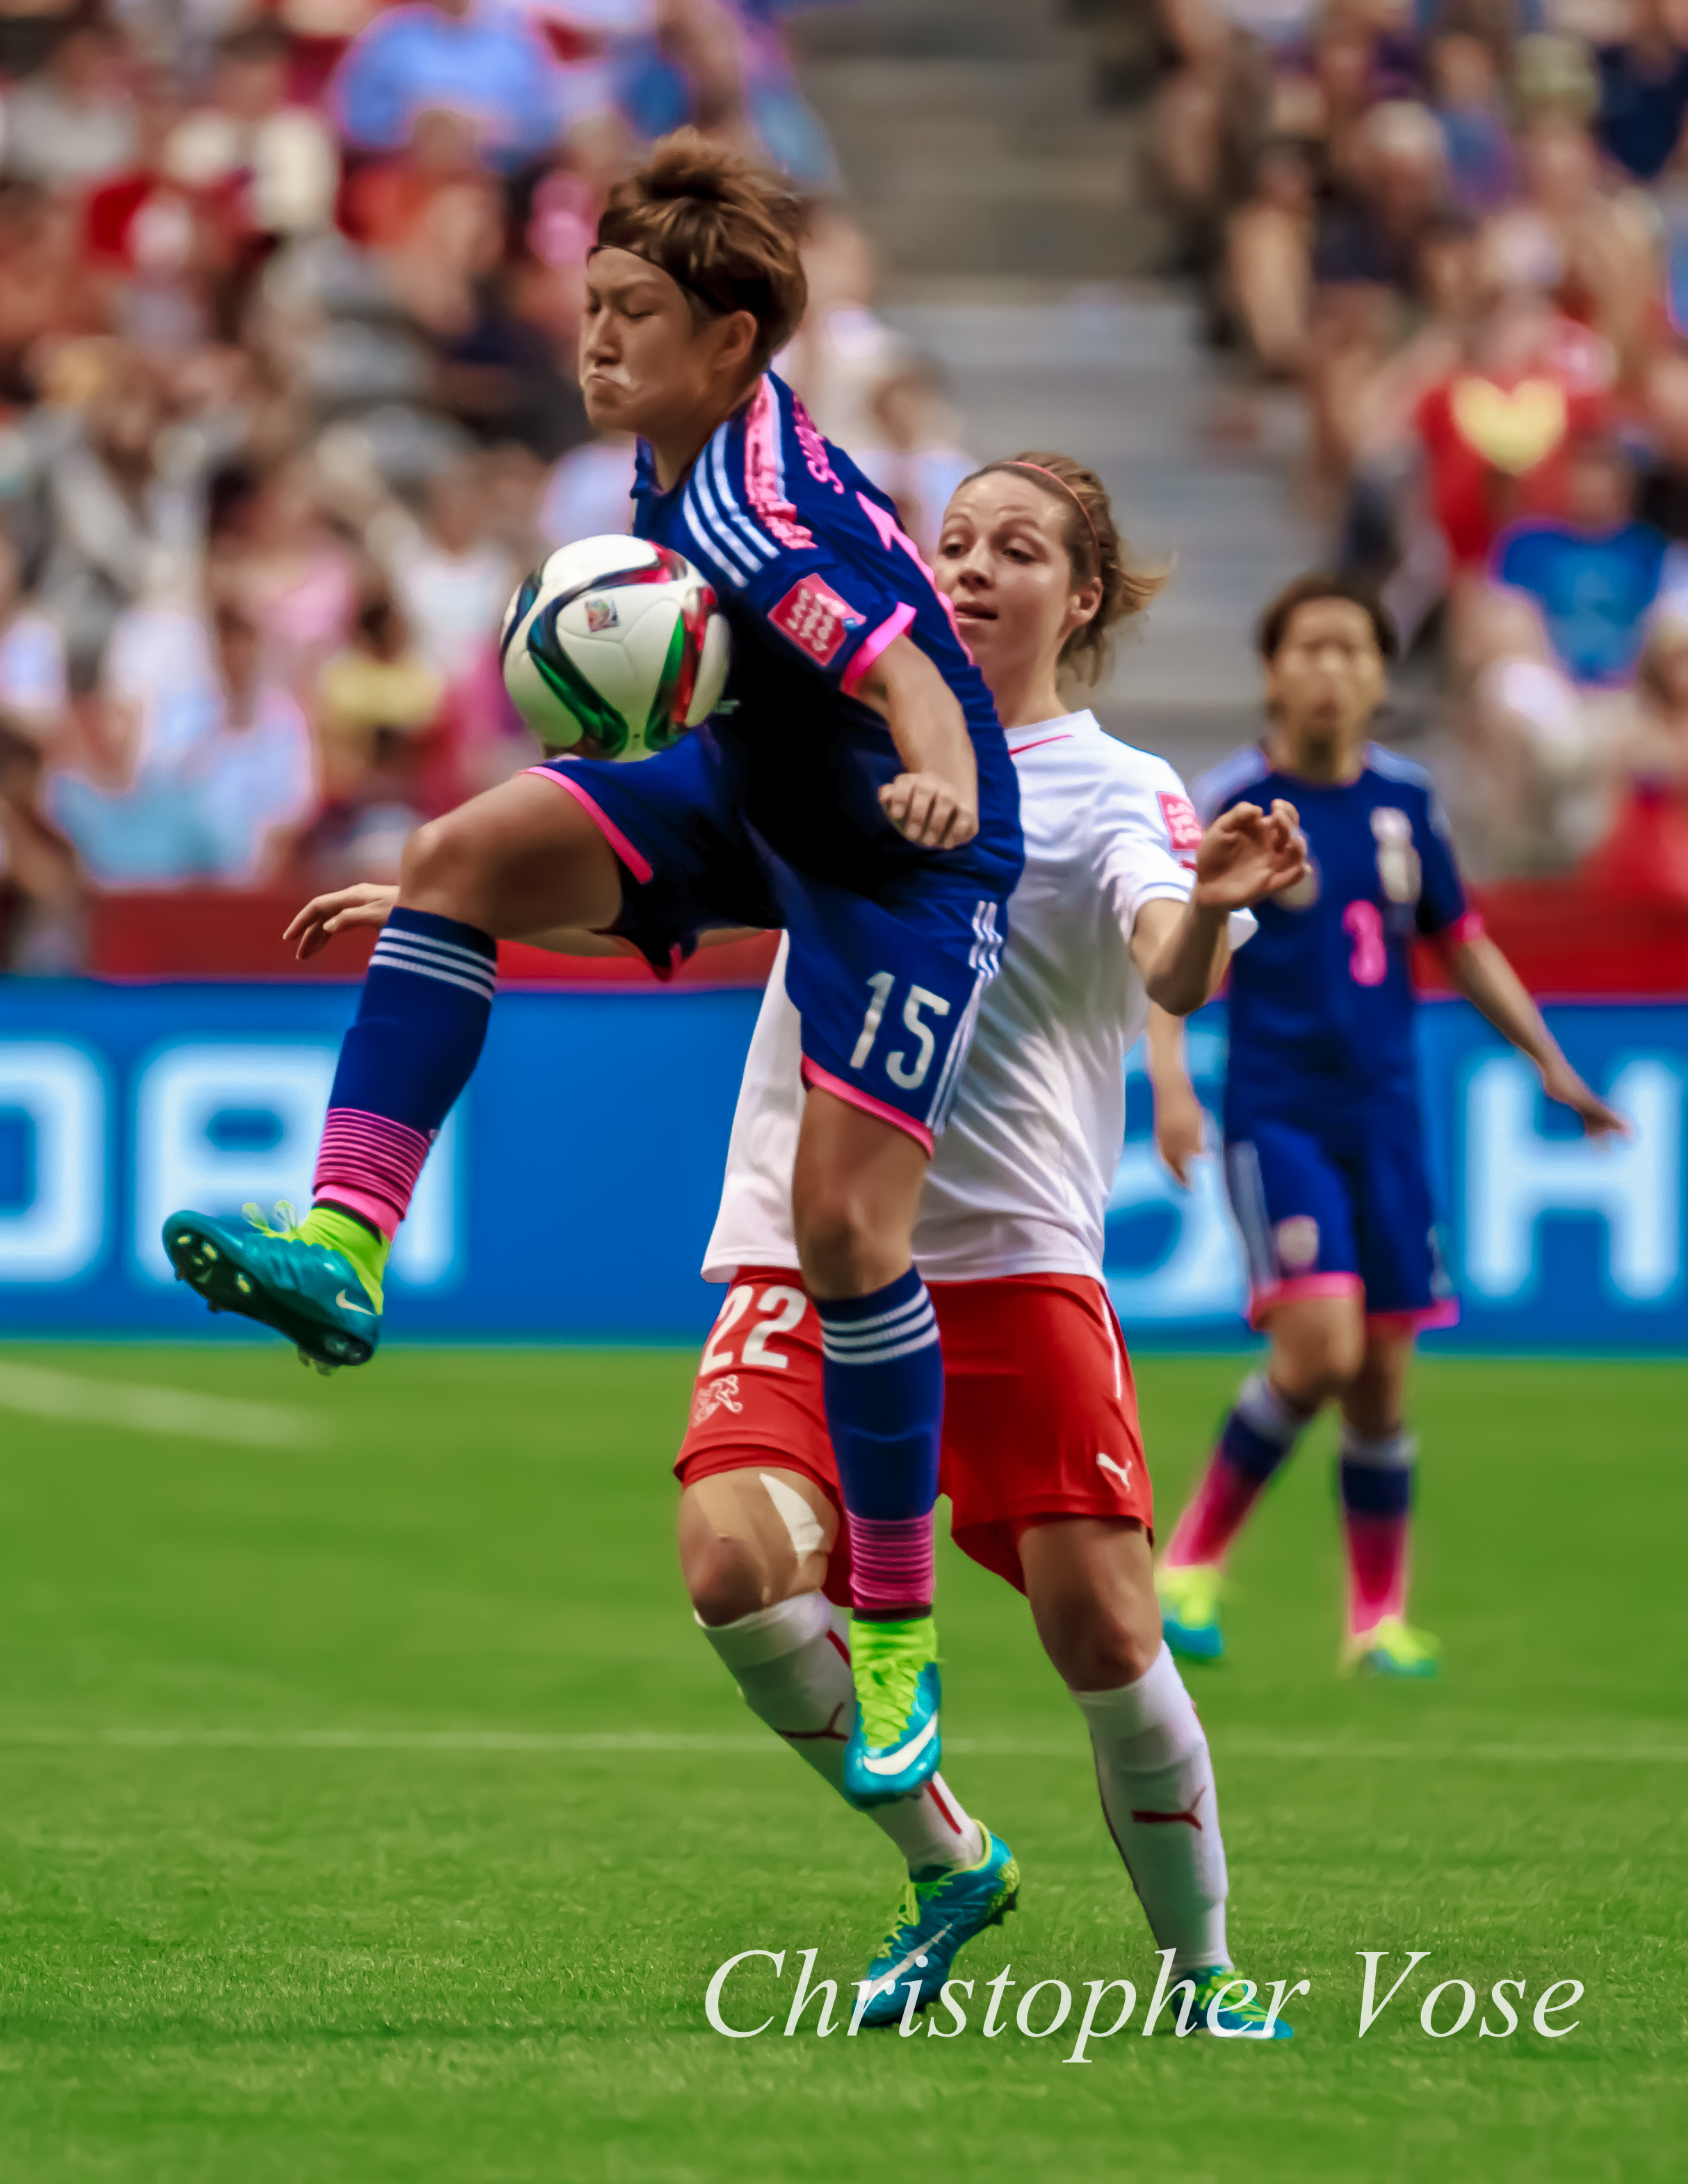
(905, 1066)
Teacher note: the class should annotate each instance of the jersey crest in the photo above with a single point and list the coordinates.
(1399, 873)
(815, 619)
(1182, 824)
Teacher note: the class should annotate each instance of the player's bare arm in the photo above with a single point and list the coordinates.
(368, 903)
(1245, 855)
(1180, 1119)
(934, 801)
(1477, 969)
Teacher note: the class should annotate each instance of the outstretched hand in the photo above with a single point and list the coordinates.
(1248, 854)
(325, 915)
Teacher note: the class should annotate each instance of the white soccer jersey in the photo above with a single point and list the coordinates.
(1020, 1180)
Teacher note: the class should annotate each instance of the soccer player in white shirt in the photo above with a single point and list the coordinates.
(1123, 899)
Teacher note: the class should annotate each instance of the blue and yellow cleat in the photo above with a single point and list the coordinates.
(940, 1912)
(1189, 1610)
(317, 1282)
(894, 1744)
(1391, 1648)
(1244, 2018)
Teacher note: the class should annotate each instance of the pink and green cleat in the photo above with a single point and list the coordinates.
(1391, 1648)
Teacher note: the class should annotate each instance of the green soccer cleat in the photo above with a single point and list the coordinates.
(316, 1281)
(941, 1911)
(894, 1744)
(1391, 1648)
(1242, 2020)
(1189, 1610)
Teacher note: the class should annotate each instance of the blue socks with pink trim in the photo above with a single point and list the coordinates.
(882, 1378)
(421, 1024)
(1257, 1436)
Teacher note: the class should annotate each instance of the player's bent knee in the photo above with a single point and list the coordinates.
(442, 862)
(1314, 1366)
(727, 1575)
(1123, 1640)
(836, 1245)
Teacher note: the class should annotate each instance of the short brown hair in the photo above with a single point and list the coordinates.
(1094, 549)
(1306, 592)
(726, 230)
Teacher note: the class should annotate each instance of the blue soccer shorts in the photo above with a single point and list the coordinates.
(889, 987)
(1339, 1208)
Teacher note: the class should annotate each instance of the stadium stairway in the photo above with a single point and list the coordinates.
(1003, 199)
(1118, 378)
(972, 141)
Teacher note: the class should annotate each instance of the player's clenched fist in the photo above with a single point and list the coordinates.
(1248, 854)
(927, 810)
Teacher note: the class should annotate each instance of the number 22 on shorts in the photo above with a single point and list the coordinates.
(781, 1306)
(907, 1073)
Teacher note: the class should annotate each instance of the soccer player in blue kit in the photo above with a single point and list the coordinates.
(854, 787)
(1324, 1154)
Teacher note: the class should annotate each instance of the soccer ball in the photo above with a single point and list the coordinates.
(615, 645)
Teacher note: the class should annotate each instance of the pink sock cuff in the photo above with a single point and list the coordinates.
(891, 1562)
(375, 1210)
(369, 1164)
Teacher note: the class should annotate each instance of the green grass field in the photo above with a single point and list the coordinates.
(311, 1871)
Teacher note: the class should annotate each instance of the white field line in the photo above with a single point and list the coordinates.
(123, 1403)
(544, 1742)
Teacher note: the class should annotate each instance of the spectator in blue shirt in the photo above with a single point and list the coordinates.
(1594, 573)
(471, 57)
(1644, 89)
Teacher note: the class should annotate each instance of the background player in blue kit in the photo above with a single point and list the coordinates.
(1324, 1154)
(855, 788)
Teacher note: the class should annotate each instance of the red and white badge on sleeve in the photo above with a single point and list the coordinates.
(815, 619)
(1182, 824)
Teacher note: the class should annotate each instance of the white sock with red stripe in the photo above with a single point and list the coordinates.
(1155, 1775)
(791, 1665)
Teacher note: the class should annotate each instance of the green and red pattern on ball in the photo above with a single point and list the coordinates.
(603, 722)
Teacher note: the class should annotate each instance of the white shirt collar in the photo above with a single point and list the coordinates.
(1048, 732)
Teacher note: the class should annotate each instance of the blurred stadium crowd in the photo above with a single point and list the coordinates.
(1455, 232)
(288, 296)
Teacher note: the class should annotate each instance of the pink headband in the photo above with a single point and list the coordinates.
(1019, 463)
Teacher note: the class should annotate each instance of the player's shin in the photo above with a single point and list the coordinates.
(882, 1382)
(421, 1024)
(1155, 1777)
(883, 1379)
(1375, 1475)
(1258, 1434)
(791, 1662)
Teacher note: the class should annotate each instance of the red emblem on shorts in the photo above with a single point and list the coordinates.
(815, 619)
(1182, 823)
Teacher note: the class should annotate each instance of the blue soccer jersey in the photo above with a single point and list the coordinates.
(816, 577)
(770, 815)
(1322, 1004)
(1324, 1156)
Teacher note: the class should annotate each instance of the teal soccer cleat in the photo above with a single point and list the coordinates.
(1242, 2017)
(1189, 1610)
(939, 1914)
(894, 1741)
(318, 1282)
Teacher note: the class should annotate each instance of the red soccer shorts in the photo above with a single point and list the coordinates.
(1039, 1407)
